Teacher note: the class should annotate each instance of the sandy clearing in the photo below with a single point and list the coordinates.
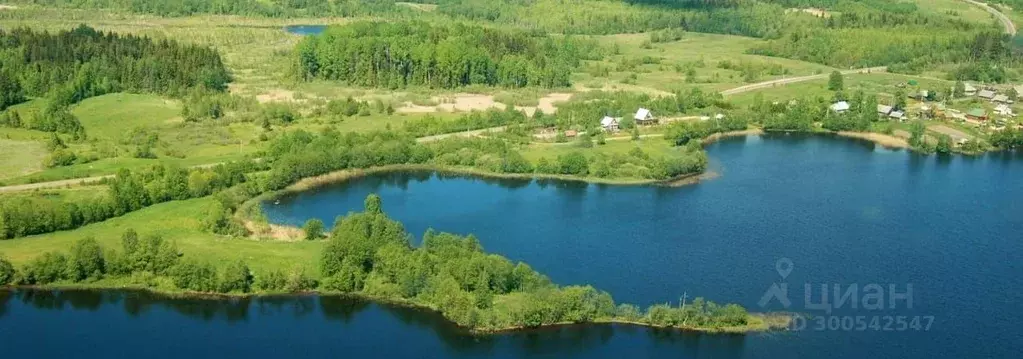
(276, 95)
(881, 139)
(465, 102)
(951, 132)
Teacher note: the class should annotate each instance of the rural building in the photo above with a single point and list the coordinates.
(719, 116)
(986, 94)
(884, 110)
(970, 90)
(571, 133)
(1002, 99)
(645, 117)
(609, 124)
(976, 114)
(1003, 110)
(897, 115)
(840, 107)
(1019, 91)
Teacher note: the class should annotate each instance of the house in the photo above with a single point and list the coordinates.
(645, 117)
(610, 124)
(1019, 90)
(840, 107)
(719, 116)
(884, 110)
(897, 115)
(986, 94)
(976, 114)
(970, 90)
(571, 133)
(1002, 99)
(1004, 110)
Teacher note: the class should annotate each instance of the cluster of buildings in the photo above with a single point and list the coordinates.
(643, 117)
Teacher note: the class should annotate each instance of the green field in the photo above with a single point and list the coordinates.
(177, 221)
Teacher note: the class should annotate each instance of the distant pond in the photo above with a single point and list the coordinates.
(305, 29)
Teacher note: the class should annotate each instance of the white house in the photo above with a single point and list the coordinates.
(986, 94)
(840, 107)
(1004, 110)
(1002, 99)
(645, 117)
(609, 124)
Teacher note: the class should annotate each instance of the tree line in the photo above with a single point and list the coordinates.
(268, 8)
(416, 53)
(127, 192)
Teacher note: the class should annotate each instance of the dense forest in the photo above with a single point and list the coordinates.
(396, 55)
(83, 62)
(67, 67)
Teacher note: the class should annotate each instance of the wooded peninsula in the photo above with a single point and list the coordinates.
(174, 117)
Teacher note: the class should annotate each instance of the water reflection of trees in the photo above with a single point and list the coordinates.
(562, 341)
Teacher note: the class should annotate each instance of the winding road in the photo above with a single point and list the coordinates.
(1009, 28)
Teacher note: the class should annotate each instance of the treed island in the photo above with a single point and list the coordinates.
(139, 138)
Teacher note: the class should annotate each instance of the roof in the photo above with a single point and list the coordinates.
(608, 121)
(976, 112)
(642, 114)
(571, 133)
(896, 114)
(969, 87)
(885, 109)
(840, 106)
(1001, 98)
(986, 94)
(719, 116)
(1019, 89)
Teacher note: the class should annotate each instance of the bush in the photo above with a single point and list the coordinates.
(47, 268)
(313, 229)
(298, 281)
(194, 276)
(86, 260)
(236, 278)
(6, 272)
(273, 280)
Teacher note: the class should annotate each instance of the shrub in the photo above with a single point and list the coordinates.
(47, 268)
(194, 276)
(6, 272)
(272, 280)
(313, 229)
(86, 260)
(236, 278)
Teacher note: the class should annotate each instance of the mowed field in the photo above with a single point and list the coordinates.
(696, 60)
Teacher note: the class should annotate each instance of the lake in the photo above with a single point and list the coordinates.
(939, 235)
(305, 29)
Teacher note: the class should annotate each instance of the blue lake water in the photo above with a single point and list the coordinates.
(305, 29)
(845, 213)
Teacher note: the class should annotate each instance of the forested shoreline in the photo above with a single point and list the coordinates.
(370, 255)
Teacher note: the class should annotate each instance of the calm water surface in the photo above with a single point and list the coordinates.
(305, 29)
(845, 213)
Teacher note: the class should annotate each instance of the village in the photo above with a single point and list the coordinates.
(980, 110)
